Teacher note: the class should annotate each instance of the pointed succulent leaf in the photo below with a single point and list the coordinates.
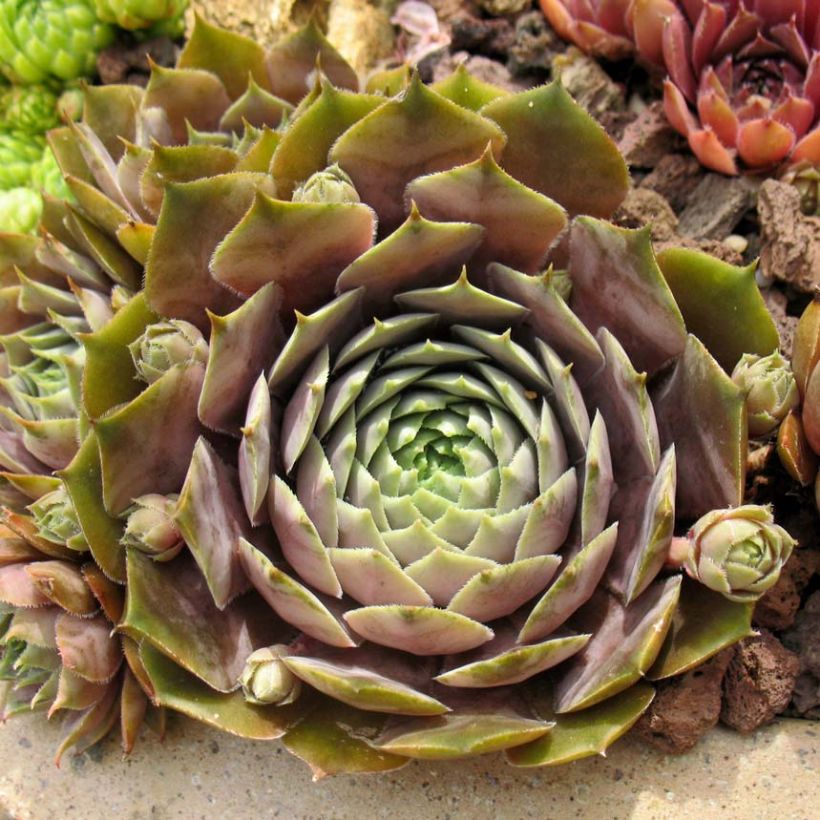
(109, 373)
(581, 734)
(111, 113)
(546, 122)
(467, 91)
(146, 445)
(76, 693)
(83, 482)
(256, 107)
(606, 264)
(87, 647)
(211, 519)
(292, 60)
(301, 247)
(96, 206)
(610, 663)
(63, 584)
(84, 730)
(710, 448)
(182, 286)
(520, 224)
(241, 345)
(177, 689)
(294, 603)
(330, 739)
(255, 452)
(232, 57)
(707, 290)
(170, 606)
(419, 252)
(704, 623)
(418, 133)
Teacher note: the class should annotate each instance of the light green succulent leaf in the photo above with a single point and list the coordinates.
(467, 91)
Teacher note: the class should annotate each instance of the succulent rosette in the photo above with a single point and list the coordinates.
(743, 81)
(139, 14)
(50, 40)
(770, 389)
(375, 482)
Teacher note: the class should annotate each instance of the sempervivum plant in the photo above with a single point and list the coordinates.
(374, 482)
(798, 439)
(139, 14)
(743, 81)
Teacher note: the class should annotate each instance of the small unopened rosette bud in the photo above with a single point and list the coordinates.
(166, 344)
(330, 186)
(737, 552)
(266, 680)
(56, 520)
(771, 391)
(151, 528)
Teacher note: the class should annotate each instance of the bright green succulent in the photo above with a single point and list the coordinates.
(30, 109)
(139, 14)
(374, 481)
(19, 152)
(20, 210)
(50, 40)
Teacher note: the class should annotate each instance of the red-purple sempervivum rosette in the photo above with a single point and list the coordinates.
(380, 486)
(743, 81)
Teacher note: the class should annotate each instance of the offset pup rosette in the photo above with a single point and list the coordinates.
(373, 480)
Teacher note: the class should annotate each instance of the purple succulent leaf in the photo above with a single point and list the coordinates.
(417, 629)
(64, 144)
(26, 527)
(104, 212)
(145, 446)
(15, 456)
(503, 661)
(170, 606)
(591, 177)
(211, 518)
(110, 112)
(18, 589)
(187, 96)
(133, 707)
(63, 584)
(582, 734)
(304, 147)
(463, 302)
(368, 678)
(109, 595)
(294, 58)
(417, 133)
(87, 647)
(177, 689)
(130, 169)
(83, 481)
(15, 550)
(106, 252)
(57, 257)
(255, 452)
(76, 693)
(301, 544)
(52, 442)
(620, 395)
(34, 626)
(371, 578)
(37, 298)
(292, 601)
(617, 284)
(624, 645)
(344, 391)
(175, 164)
(549, 518)
(710, 447)
(704, 623)
(520, 224)
(598, 483)
(645, 510)
(316, 489)
(180, 285)
(441, 573)
(109, 372)
(329, 325)
(82, 731)
(235, 59)
(550, 318)
(241, 344)
(300, 246)
(256, 107)
(418, 252)
(572, 588)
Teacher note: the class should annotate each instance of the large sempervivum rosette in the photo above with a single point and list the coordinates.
(743, 80)
(424, 493)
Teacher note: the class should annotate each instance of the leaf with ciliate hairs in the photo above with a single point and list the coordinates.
(170, 606)
(467, 91)
(417, 133)
(177, 689)
(545, 124)
(711, 446)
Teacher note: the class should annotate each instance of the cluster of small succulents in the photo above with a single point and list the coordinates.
(743, 79)
(291, 400)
